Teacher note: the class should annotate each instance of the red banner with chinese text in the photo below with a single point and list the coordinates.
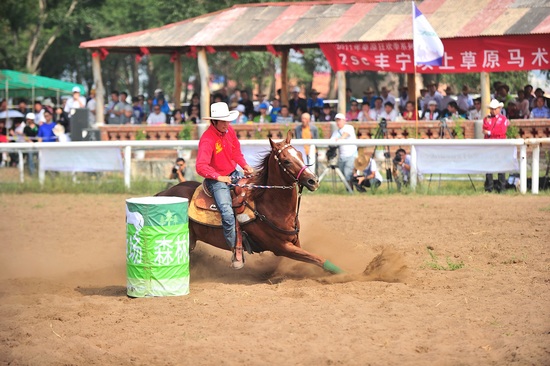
(491, 54)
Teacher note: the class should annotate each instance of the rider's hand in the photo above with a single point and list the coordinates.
(224, 178)
(248, 169)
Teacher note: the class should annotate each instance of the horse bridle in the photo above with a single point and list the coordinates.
(278, 160)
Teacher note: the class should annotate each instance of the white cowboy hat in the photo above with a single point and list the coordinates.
(495, 104)
(339, 116)
(30, 116)
(220, 111)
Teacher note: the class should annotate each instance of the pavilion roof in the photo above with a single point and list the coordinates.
(306, 24)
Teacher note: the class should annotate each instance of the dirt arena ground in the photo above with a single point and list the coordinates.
(63, 296)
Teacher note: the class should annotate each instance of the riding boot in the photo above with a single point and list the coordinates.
(237, 260)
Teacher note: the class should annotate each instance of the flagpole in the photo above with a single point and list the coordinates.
(415, 88)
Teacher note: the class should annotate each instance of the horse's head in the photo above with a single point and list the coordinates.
(292, 164)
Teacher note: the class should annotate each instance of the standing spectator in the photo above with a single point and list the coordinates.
(369, 97)
(157, 117)
(475, 114)
(540, 110)
(353, 113)
(327, 114)
(262, 99)
(528, 89)
(164, 108)
(45, 130)
(305, 130)
(366, 114)
(248, 105)
(296, 102)
(75, 102)
(178, 171)
(38, 113)
(523, 105)
(284, 116)
(137, 109)
(158, 93)
(110, 109)
(314, 101)
(503, 95)
(386, 96)
(316, 114)
(263, 117)
(420, 100)
(409, 114)
(127, 117)
(403, 99)
(91, 105)
(346, 153)
(30, 131)
(22, 107)
(432, 94)
(464, 100)
(512, 111)
(448, 98)
(432, 114)
(148, 107)
(349, 98)
(120, 107)
(390, 114)
(62, 118)
(453, 112)
(495, 126)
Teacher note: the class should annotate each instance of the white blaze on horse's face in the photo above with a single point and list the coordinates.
(294, 153)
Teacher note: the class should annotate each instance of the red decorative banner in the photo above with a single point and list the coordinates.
(476, 54)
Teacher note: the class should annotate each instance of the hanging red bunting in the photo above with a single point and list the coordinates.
(235, 55)
(210, 49)
(272, 50)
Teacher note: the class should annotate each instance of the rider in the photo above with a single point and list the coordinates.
(218, 155)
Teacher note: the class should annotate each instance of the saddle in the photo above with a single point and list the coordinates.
(203, 210)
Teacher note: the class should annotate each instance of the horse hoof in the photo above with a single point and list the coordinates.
(236, 264)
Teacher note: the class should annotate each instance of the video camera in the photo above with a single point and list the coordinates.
(397, 159)
(383, 123)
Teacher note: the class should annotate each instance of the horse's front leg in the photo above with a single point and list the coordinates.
(293, 251)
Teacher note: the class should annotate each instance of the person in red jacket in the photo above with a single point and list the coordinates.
(495, 126)
(217, 158)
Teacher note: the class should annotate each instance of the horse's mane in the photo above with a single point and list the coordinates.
(260, 179)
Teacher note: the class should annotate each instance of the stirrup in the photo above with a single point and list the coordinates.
(236, 264)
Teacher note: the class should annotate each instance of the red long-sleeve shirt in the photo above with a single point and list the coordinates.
(497, 125)
(218, 153)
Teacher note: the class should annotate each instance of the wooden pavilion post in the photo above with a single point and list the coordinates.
(412, 90)
(341, 81)
(99, 89)
(284, 77)
(177, 80)
(205, 78)
(485, 83)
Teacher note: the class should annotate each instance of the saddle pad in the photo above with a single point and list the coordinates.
(203, 210)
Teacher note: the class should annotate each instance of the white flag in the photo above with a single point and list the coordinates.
(428, 49)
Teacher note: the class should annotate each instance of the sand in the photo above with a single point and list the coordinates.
(63, 296)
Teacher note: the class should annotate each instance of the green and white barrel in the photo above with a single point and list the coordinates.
(157, 246)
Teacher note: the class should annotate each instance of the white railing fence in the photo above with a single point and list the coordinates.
(127, 147)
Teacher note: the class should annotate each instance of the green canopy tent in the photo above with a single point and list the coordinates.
(18, 84)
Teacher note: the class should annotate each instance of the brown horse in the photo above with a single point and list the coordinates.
(277, 226)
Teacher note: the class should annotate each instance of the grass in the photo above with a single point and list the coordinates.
(434, 263)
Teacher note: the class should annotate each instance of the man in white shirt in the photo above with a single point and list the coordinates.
(74, 102)
(347, 153)
(386, 96)
(157, 117)
(464, 100)
(390, 114)
(475, 114)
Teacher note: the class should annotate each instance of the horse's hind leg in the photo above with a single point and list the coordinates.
(192, 237)
(292, 251)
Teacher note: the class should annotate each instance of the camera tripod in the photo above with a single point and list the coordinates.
(382, 133)
(443, 129)
(334, 171)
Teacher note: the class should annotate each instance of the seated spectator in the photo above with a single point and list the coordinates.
(390, 114)
(45, 130)
(164, 108)
(327, 114)
(194, 116)
(431, 114)
(353, 113)
(284, 116)
(62, 117)
(139, 114)
(195, 104)
(275, 109)
(540, 93)
(378, 109)
(39, 113)
(298, 115)
(248, 105)
(296, 102)
(178, 171)
(22, 107)
(157, 117)
(263, 117)
(261, 98)
(540, 110)
(314, 101)
(127, 117)
(241, 118)
(177, 117)
(503, 95)
(453, 112)
(315, 114)
(409, 112)
(475, 114)
(401, 169)
(512, 111)
(305, 130)
(370, 177)
(366, 115)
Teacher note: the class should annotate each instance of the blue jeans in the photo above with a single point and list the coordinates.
(222, 196)
(346, 166)
(30, 162)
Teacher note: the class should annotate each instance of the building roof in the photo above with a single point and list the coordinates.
(306, 24)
